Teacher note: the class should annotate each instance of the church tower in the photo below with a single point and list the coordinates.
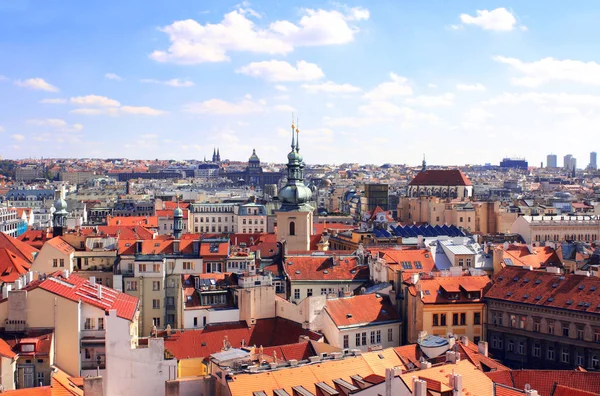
(295, 217)
(178, 222)
(59, 217)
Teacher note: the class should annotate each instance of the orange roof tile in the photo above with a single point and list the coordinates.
(38, 391)
(61, 245)
(144, 221)
(362, 309)
(544, 381)
(415, 257)
(12, 266)
(6, 350)
(20, 249)
(302, 268)
(542, 256)
(430, 288)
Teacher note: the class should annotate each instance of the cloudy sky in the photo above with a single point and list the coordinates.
(371, 82)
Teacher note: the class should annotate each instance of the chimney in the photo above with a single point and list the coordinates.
(18, 284)
(65, 274)
(390, 373)
(6, 290)
(482, 347)
(92, 281)
(419, 387)
(93, 386)
(456, 384)
(424, 365)
(531, 392)
(452, 357)
(303, 338)
(464, 340)
(99, 292)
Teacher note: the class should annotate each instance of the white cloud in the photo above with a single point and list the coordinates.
(380, 108)
(281, 88)
(443, 100)
(470, 87)
(330, 87)
(175, 82)
(18, 137)
(1, 129)
(54, 101)
(3, 78)
(37, 84)
(354, 122)
(499, 19)
(456, 27)
(192, 42)
(398, 86)
(116, 111)
(222, 107)
(286, 108)
(141, 110)
(94, 101)
(549, 69)
(329, 105)
(56, 123)
(432, 85)
(561, 99)
(476, 115)
(113, 76)
(276, 71)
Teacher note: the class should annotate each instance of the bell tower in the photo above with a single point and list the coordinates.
(295, 216)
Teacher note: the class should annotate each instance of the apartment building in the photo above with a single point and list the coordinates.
(251, 218)
(557, 228)
(10, 222)
(544, 319)
(214, 218)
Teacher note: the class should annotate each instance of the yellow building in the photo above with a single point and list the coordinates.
(446, 304)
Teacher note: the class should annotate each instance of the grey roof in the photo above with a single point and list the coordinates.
(20, 194)
(233, 353)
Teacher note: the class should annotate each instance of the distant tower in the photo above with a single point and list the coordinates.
(218, 155)
(593, 161)
(295, 217)
(178, 222)
(59, 218)
(424, 167)
(214, 157)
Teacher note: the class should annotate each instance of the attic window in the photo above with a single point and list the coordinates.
(561, 278)
(537, 281)
(515, 279)
(353, 271)
(509, 293)
(418, 265)
(427, 292)
(538, 298)
(500, 278)
(550, 299)
(581, 287)
(325, 272)
(297, 272)
(569, 302)
(526, 280)
(581, 304)
(127, 244)
(381, 356)
(526, 296)
(157, 245)
(349, 315)
(554, 285)
(426, 255)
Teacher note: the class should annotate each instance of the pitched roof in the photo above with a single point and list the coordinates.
(298, 351)
(127, 232)
(440, 177)
(540, 288)
(12, 266)
(214, 248)
(322, 268)
(61, 245)
(360, 310)
(132, 221)
(545, 381)
(20, 249)
(404, 258)
(6, 350)
(432, 288)
(266, 332)
(77, 289)
(540, 256)
(34, 238)
(484, 363)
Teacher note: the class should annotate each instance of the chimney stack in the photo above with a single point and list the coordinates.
(92, 281)
(464, 340)
(419, 387)
(483, 348)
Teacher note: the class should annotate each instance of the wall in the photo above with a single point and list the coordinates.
(141, 371)
(7, 372)
(306, 311)
(194, 367)
(44, 260)
(191, 387)
(212, 316)
(256, 303)
(303, 229)
(333, 288)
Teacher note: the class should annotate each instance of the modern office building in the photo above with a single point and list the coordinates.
(514, 163)
(551, 161)
(593, 161)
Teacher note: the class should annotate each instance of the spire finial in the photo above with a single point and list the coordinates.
(424, 167)
(297, 135)
(293, 128)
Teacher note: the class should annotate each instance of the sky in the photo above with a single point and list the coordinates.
(373, 82)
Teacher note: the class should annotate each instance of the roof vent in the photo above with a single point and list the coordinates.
(515, 279)
(349, 315)
(581, 304)
(526, 296)
(561, 278)
(555, 285)
(325, 272)
(593, 288)
(526, 280)
(509, 293)
(297, 272)
(538, 298)
(500, 278)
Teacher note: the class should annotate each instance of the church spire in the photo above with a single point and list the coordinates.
(297, 135)
(424, 167)
(293, 129)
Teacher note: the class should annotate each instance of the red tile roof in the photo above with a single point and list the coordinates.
(6, 350)
(395, 257)
(18, 248)
(562, 390)
(542, 256)
(61, 245)
(321, 268)
(131, 221)
(266, 332)
(77, 289)
(361, 310)
(12, 266)
(34, 238)
(545, 381)
(431, 288)
(221, 251)
(440, 177)
(126, 232)
(503, 390)
(540, 288)
(171, 205)
(42, 338)
(168, 213)
(298, 351)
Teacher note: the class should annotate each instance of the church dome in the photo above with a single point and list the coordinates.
(60, 205)
(178, 212)
(294, 156)
(295, 194)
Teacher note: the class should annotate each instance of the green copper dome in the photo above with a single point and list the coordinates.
(178, 212)
(60, 205)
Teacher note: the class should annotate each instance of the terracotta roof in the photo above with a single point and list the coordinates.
(168, 213)
(440, 177)
(320, 227)
(34, 238)
(414, 258)
(61, 245)
(12, 266)
(361, 310)
(131, 221)
(545, 381)
(62, 385)
(374, 379)
(561, 390)
(171, 205)
(20, 249)
(484, 363)
(321, 268)
(127, 232)
(380, 360)
(298, 351)
(77, 289)
(6, 350)
(542, 256)
(37, 391)
(503, 390)
(266, 332)
(431, 288)
(214, 249)
(42, 338)
(540, 288)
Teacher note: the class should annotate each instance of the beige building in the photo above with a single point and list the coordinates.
(55, 255)
(213, 218)
(557, 228)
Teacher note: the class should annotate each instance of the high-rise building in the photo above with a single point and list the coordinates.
(593, 161)
(515, 163)
(551, 161)
(568, 162)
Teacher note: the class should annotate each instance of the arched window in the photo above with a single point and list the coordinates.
(292, 228)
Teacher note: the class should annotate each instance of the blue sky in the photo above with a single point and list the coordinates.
(371, 82)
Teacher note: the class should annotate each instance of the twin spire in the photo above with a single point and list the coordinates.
(296, 145)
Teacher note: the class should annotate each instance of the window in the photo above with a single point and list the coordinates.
(436, 321)
(372, 337)
(521, 347)
(188, 265)
(513, 320)
(155, 285)
(62, 262)
(537, 325)
(292, 228)
(564, 356)
(510, 346)
(55, 263)
(565, 329)
(131, 285)
(537, 350)
(594, 362)
(579, 359)
(156, 268)
(461, 262)
(522, 322)
(550, 327)
(195, 321)
(378, 337)
(463, 319)
(89, 324)
(468, 261)
(580, 333)
(40, 378)
(100, 323)
(364, 338)
(455, 319)
(597, 335)
(390, 335)
(142, 267)
(346, 343)
(477, 318)
(442, 319)
(156, 322)
(296, 294)
(88, 355)
(550, 353)
(309, 293)
(155, 304)
(357, 339)
(323, 291)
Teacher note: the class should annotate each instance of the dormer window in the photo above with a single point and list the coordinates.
(27, 348)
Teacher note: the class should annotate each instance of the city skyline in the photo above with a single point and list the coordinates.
(371, 82)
